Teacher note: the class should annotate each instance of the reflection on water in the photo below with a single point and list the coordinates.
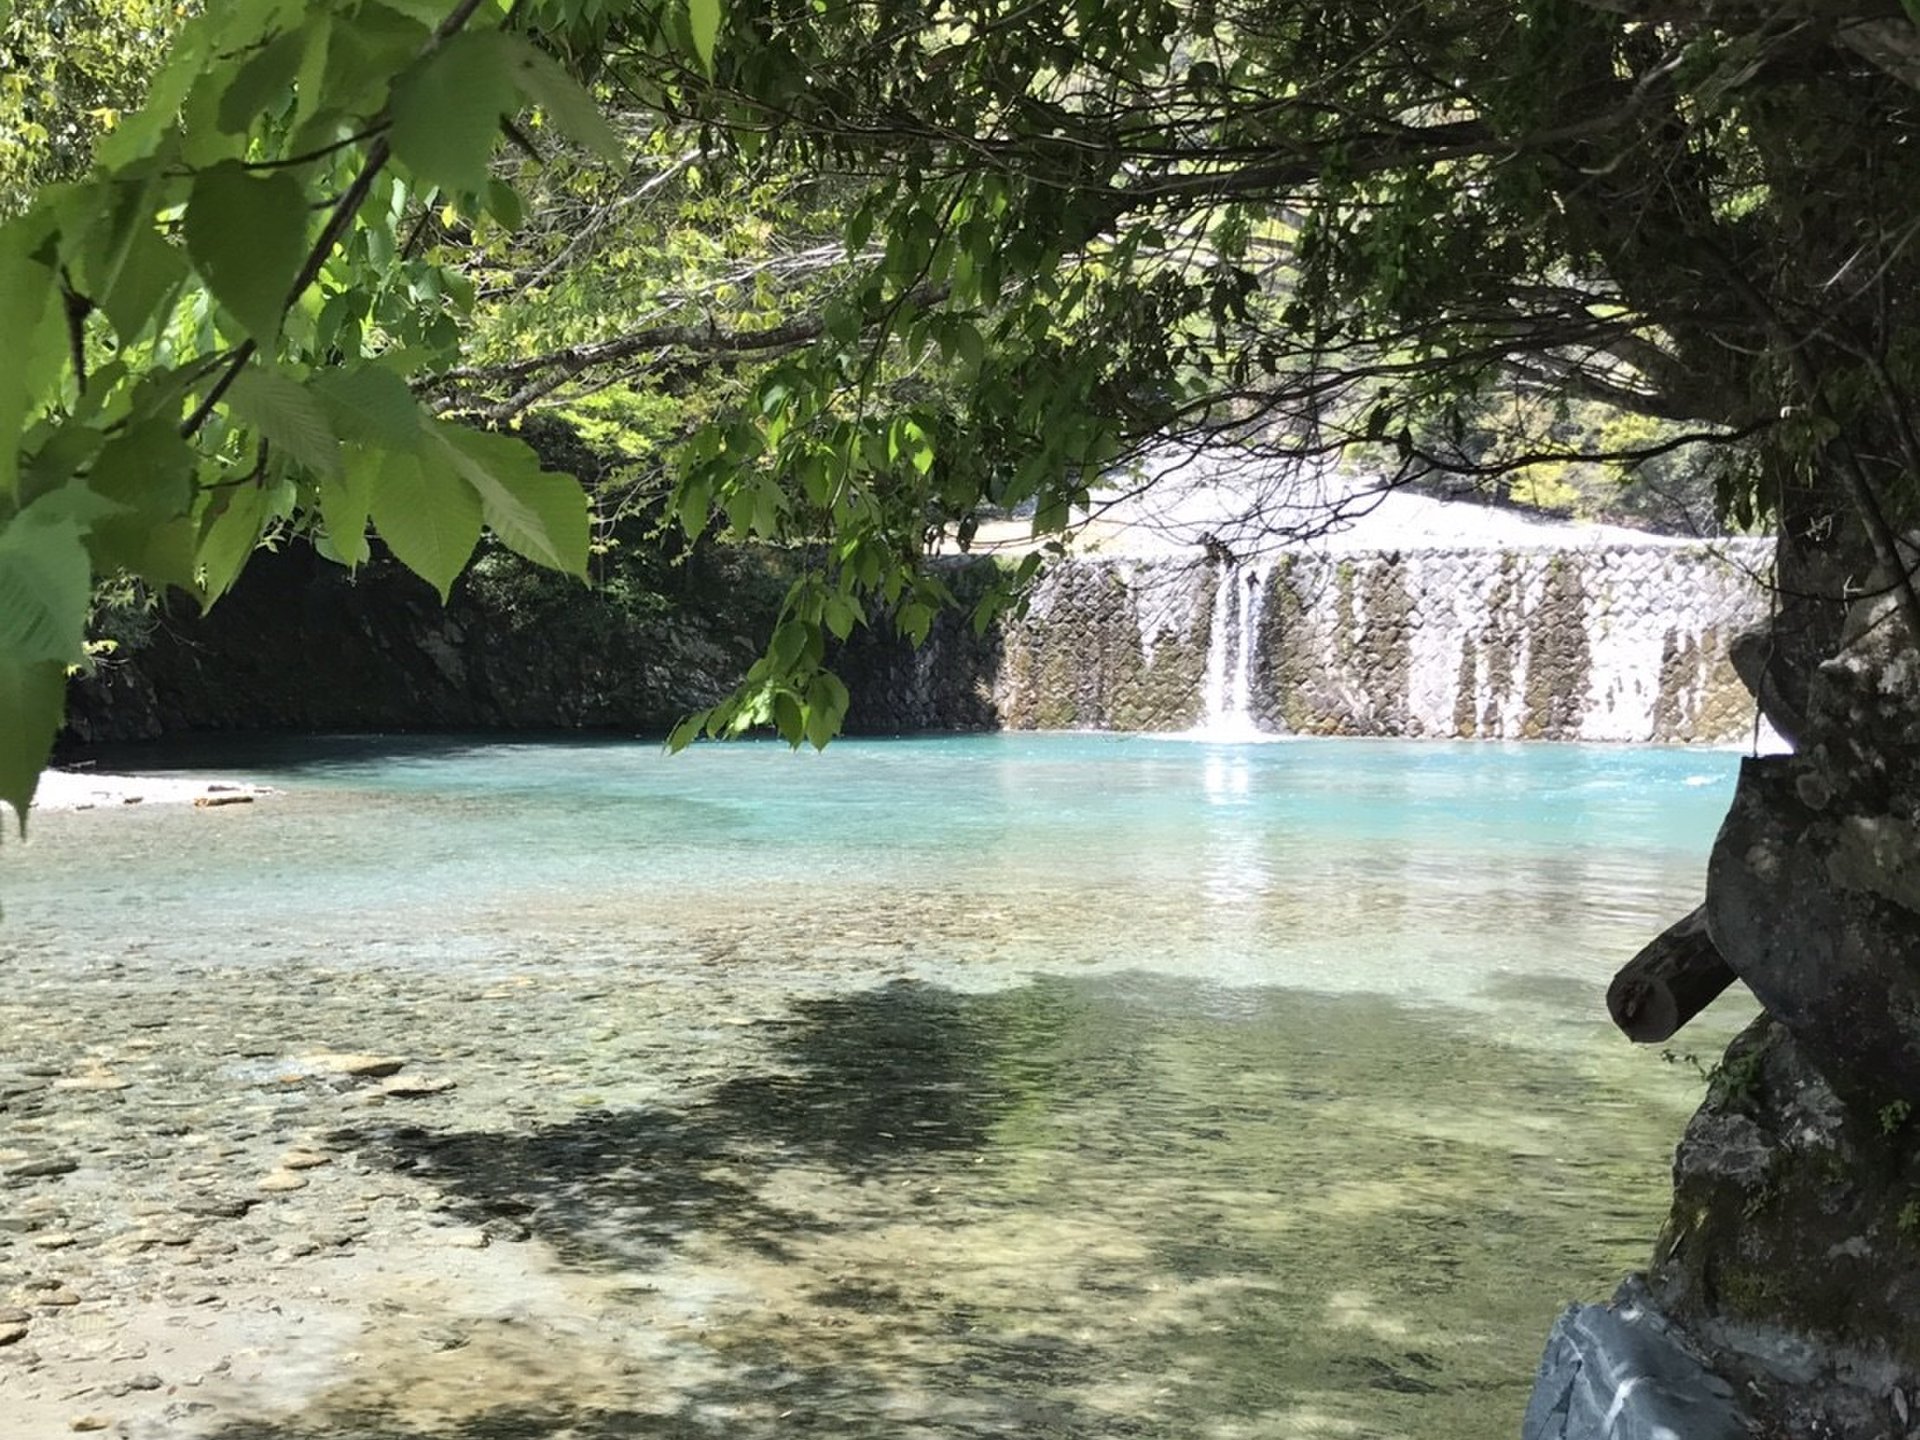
(1085, 1088)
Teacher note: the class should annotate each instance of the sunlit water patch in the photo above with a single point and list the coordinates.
(1057, 1085)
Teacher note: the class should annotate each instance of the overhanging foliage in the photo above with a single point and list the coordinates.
(857, 270)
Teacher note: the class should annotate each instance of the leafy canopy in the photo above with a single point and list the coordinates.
(849, 275)
(212, 331)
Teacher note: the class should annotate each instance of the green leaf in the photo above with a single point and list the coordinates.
(545, 83)
(694, 507)
(140, 134)
(247, 235)
(787, 717)
(32, 698)
(150, 271)
(46, 583)
(352, 79)
(147, 470)
(789, 641)
(262, 82)
(447, 109)
(67, 452)
(372, 404)
(162, 555)
(704, 17)
(536, 513)
(503, 204)
(687, 731)
(123, 265)
(428, 12)
(914, 621)
(428, 515)
(344, 506)
(826, 708)
(842, 614)
(32, 341)
(228, 536)
(274, 404)
(309, 84)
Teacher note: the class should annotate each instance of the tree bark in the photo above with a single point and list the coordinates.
(1670, 981)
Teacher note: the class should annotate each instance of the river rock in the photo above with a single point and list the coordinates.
(359, 1067)
(216, 1207)
(1621, 1372)
(12, 1331)
(413, 1087)
(1813, 890)
(93, 1080)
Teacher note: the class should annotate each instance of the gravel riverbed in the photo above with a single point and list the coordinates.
(223, 1211)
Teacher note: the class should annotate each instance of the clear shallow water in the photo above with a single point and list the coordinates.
(1046, 1085)
(1425, 869)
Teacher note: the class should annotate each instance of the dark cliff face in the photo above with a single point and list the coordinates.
(946, 683)
(300, 644)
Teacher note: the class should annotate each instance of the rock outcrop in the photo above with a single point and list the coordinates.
(301, 645)
(1792, 1253)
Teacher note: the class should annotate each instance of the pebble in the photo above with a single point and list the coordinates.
(361, 1067)
(281, 1180)
(408, 1088)
(11, 1332)
(221, 1207)
(89, 1422)
(304, 1160)
(33, 1169)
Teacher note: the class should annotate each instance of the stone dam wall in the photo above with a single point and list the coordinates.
(1625, 642)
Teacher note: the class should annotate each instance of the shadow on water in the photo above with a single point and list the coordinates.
(1096, 1207)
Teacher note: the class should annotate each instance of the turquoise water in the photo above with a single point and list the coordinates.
(1427, 869)
(1063, 1085)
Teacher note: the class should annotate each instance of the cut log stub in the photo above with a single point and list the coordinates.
(1669, 982)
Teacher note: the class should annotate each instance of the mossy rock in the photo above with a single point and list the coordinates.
(1793, 1212)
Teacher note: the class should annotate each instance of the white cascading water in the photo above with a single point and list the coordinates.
(1615, 642)
(1233, 638)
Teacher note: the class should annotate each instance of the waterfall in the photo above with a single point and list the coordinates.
(1233, 643)
(1625, 641)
